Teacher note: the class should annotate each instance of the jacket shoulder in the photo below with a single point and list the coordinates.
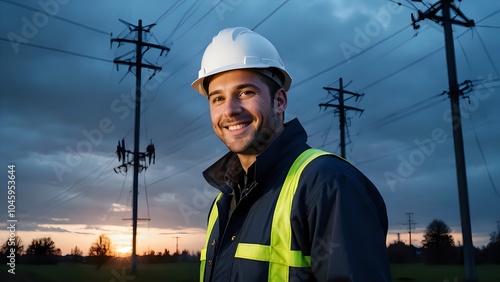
(330, 180)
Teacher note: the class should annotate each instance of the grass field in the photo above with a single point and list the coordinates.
(116, 271)
(417, 272)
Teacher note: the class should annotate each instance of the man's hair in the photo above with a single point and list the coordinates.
(272, 86)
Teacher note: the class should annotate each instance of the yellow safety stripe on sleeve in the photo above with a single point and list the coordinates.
(266, 253)
(279, 253)
(211, 222)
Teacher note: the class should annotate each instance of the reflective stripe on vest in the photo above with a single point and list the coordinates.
(279, 253)
(214, 214)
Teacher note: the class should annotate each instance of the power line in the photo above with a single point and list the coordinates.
(197, 22)
(402, 69)
(146, 195)
(490, 178)
(268, 16)
(183, 170)
(487, 53)
(350, 58)
(417, 107)
(464, 53)
(168, 11)
(119, 198)
(75, 190)
(411, 7)
(371, 47)
(56, 17)
(184, 18)
(410, 64)
(59, 50)
(406, 41)
(488, 26)
(430, 54)
(405, 112)
(489, 16)
(398, 151)
(376, 44)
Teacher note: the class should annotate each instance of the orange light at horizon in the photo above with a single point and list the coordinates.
(123, 251)
(157, 239)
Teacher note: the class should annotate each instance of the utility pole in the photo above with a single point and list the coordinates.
(411, 225)
(445, 6)
(176, 244)
(341, 109)
(137, 65)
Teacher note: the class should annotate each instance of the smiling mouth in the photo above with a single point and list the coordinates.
(237, 126)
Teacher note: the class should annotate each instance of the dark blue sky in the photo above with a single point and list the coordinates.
(64, 106)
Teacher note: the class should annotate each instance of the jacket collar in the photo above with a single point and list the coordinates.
(226, 170)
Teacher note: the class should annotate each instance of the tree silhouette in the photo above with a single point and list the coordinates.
(76, 252)
(101, 250)
(42, 251)
(15, 243)
(437, 234)
(438, 244)
(75, 255)
(43, 247)
(491, 252)
(101, 247)
(399, 252)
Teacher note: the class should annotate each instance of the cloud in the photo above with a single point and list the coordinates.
(61, 114)
(48, 228)
(60, 219)
(120, 208)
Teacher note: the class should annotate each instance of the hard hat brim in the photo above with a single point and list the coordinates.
(200, 86)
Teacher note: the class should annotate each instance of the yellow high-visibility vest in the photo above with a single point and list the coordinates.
(278, 253)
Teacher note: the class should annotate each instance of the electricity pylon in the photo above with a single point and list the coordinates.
(177, 244)
(341, 109)
(446, 6)
(141, 48)
(411, 225)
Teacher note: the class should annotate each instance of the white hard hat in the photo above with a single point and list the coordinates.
(241, 48)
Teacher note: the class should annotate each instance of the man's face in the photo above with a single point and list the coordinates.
(243, 115)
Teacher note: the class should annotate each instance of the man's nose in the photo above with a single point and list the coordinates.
(232, 106)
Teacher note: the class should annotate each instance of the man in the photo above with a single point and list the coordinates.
(285, 212)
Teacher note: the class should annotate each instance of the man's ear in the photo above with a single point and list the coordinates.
(280, 101)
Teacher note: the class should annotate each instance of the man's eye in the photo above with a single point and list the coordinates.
(246, 93)
(216, 99)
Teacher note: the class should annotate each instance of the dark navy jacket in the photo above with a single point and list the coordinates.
(338, 216)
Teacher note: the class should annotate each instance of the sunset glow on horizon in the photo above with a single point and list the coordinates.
(148, 239)
(159, 240)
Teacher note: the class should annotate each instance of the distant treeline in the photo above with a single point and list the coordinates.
(438, 247)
